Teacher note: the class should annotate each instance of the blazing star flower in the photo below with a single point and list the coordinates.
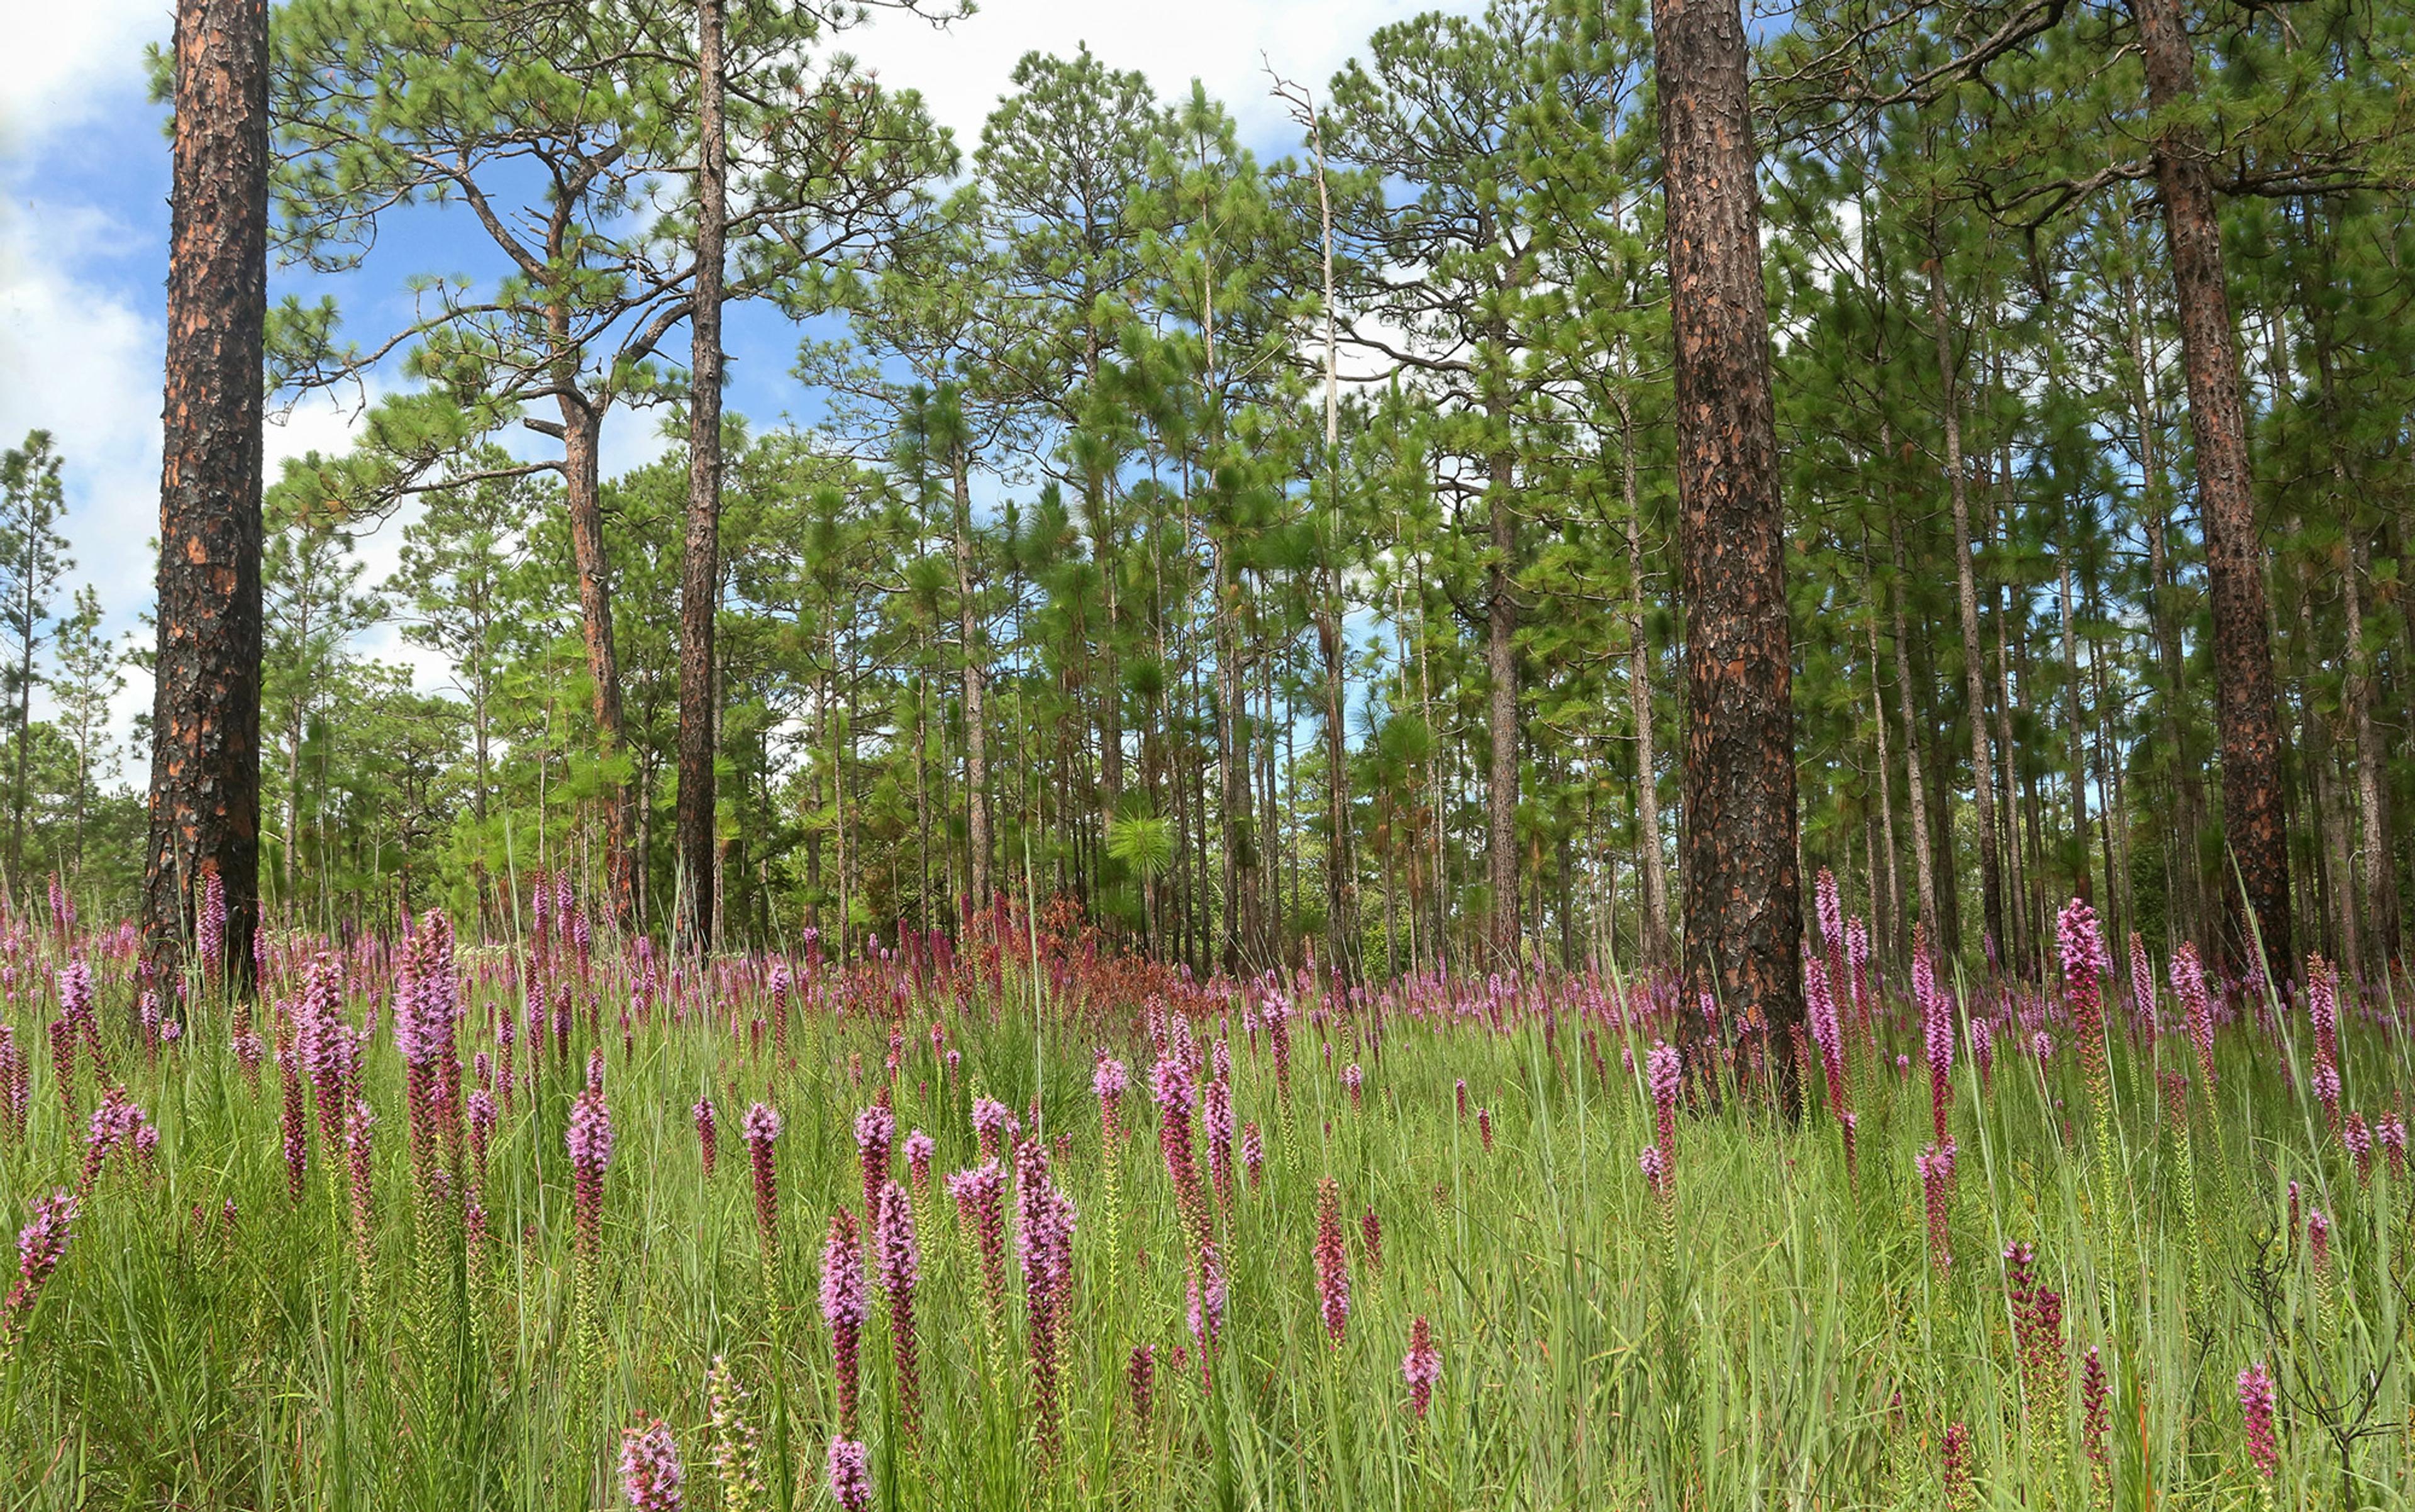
(708, 1143)
(41, 1244)
(1961, 1479)
(901, 1270)
(845, 1308)
(1109, 1081)
(980, 1195)
(920, 1149)
(2256, 1410)
(1936, 1165)
(650, 1468)
(2188, 984)
(1140, 1374)
(875, 1131)
(848, 1472)
(1332, 1260)
(1421, 1367)
(760, 1127)
(994, 1125)
(1666, 1073)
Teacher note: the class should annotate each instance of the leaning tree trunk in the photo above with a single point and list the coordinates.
(2257, 880)
(700, 565)
(205, 713)
(1743, 904)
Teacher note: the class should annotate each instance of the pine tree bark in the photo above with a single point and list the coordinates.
(1501, 671)
(2076, 736)
(2380, 872)
(582, 502)
(205, 796)
(1744, 905)
(1638, 699)
(700, 562)
(976, 676)
(1924, 867)
(1974, 672)
(2257, 883)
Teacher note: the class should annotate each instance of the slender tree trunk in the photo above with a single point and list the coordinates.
(1885, 781)
(1654, 944)
(1924, 867)
(2082, 885)
(2380, 877)
(1991, 885)
(1744, 919)
(205, 796)
(2254, 820)
(582, 499)
(700, 563)
(2335, 896)
(976, 678)
(1341, 866)
(1501, 674)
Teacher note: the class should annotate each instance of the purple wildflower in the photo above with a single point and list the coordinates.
(650, 1468)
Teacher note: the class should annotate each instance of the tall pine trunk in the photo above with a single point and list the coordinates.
(1743, 904)
(204, 798)
(2257, 876)
(1501, 673)
(700, 562)
(976, 675)
(1974, 674)
(1654, 950)
(582, 501)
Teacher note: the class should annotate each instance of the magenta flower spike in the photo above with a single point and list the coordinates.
(41, 1245)
(1960, 1472)
(1218, 1119)
(1044, 1220)
(1110, 1080)
(2188, 985)
(876, 1133)
(651, 1473)
(2093, 1413)
(1666, 1074)
(2082, 946)
(1332, 1257)
(901, 1270)
(920, 1149)
(2256, 1415)
(1421, 1367)
(980, 1195)
(994, 1125)
(293, 1119)
(708, 1143)
(848, 1474)
(1937, 1191)
(845, 1308)
(2322, 1007)
(1140, 1376)
(760, 1127)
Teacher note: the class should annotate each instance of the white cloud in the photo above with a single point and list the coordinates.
(1227, 46)
(67, 63)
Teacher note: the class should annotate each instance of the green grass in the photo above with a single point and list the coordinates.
(1782, 1339)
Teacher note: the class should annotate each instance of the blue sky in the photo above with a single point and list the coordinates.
(83, 227)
